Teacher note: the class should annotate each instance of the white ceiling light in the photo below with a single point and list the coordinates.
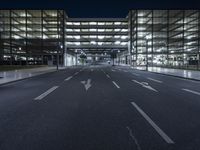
(101, 37)
(100, 43)
(124, 37)
(93, 42)
(123, 43)
(77, 37)
(117, 42)
(116, 36)
(117, 30)
(77, 43)
(93, 23)
(76, 23)
(117, 23)
(124, 30)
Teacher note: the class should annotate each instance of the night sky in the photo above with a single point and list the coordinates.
(99, 8)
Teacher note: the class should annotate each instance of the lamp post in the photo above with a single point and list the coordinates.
(118, 57)
(146, 53)
(76, 56)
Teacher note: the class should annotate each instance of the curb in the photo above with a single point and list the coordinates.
(170, 75)
(175, 76)
(2, 84)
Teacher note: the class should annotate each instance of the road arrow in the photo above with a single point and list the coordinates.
(145, 85)
(87, 84)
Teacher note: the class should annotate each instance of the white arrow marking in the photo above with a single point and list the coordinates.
(145, 85)
(87, 84)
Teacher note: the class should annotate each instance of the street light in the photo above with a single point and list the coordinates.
(76, 56)
(118, 57)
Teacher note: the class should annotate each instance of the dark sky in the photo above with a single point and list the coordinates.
(100, 8)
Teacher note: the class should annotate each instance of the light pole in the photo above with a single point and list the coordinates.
(146, 54)
(118, 57)
(76, 56)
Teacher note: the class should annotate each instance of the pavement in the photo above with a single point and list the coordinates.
(100, 108)
(182, 73)
(15, 75)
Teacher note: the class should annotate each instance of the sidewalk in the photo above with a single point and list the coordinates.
(14, 75)
(188, 74)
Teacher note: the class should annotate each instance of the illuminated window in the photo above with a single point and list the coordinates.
(77, 37)
(69, 30)
(101, 23)
(124, 30)
(123, 43)
(93, 30)
(101, 37)
(117, 30)
(93, 23)
(76, 23)
(124, 37)
(101, 30)
(117, 36)
(117, 42)
(117, 23)
(69, 23)
(93, 42)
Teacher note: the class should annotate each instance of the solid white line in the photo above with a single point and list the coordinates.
(67, 79)
(135, 74)
(46, 93)
(108, 76)
(155, 80)
(148, 119)
(115, 84)
(194, 92)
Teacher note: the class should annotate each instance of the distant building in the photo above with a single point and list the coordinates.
(168, 38)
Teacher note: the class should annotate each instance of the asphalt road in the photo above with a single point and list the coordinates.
(100, 108)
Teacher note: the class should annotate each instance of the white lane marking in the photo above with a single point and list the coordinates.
(133, 138)
(91, 70)
(76, 73)
(145, 85)
(67, 79)
(103, 72)
(125, 71)
(158, 81)
(46, 93)
(135, 74)
(115, 84)
(150, 121)
(113, 70)
(191, 91)
(107, 76)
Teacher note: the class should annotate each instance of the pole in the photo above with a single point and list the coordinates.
(146, 55)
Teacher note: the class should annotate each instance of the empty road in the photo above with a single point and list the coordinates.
(100, 108)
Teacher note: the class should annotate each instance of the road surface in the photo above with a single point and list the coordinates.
(100, 108)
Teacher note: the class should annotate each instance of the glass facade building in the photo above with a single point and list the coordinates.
(31, 36)
(168, 38)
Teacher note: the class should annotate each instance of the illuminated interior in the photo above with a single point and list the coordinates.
(168, 38)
